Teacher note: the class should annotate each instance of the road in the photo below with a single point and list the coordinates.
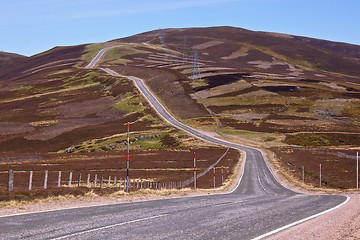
(257, 207)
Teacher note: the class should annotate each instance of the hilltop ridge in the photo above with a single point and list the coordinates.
(7, 58)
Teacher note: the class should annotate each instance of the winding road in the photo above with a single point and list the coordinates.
(258, 207)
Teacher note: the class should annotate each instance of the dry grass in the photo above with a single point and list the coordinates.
(69, 89)
(44, 123)
(222, 89)
(94, 198)
(289, 180)
(242, 52)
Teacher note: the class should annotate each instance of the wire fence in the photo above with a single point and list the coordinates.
(47, 179)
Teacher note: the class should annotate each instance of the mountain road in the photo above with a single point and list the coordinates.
(258, 207)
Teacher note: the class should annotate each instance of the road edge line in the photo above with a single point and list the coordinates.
(301, 221)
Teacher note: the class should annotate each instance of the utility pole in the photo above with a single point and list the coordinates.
(184, 50)
(127, 179)
(194, 171)
(162, 38)
(196, 66)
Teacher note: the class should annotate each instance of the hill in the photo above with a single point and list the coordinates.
(285, 93)
(9, 58)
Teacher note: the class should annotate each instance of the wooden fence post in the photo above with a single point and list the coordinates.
(11, 181)
(45, 179)
(115, 181)
(79, 179)
(70, 179)
(88, 181)
(30, 180)
(320, 181)
(214, 174)
(109, 180)
(59, 180)
(95, 181)
(303, 174)
(222, 175)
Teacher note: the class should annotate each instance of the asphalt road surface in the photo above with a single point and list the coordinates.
(259, 206)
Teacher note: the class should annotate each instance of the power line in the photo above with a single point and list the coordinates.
(196, 66)
(184, 50)
(162, 38)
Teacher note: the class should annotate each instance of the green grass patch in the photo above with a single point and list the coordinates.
(251, 135)
(22, 90)
(116, 55)
(253, 100)
(81, 80)
(353, 111)
(199, 83)
(138, 140)
(91, 50)
(297, 62)
(130, 103)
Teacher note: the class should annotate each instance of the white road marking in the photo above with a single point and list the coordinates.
(300, 221)
(106, 227)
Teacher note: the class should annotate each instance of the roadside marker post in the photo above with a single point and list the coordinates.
(45, 179)
(357, 170)
(11, 180)
(30, 180)
(320, 175)
(214, 177)
(194, 171)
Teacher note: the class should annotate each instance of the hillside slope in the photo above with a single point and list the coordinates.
(271, 90)
(259, 51)
(9, 58)
(296, 96)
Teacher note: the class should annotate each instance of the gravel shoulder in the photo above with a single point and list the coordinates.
(67, 202)
(341, 223)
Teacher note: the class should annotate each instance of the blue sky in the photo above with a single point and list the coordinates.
(32, 26)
